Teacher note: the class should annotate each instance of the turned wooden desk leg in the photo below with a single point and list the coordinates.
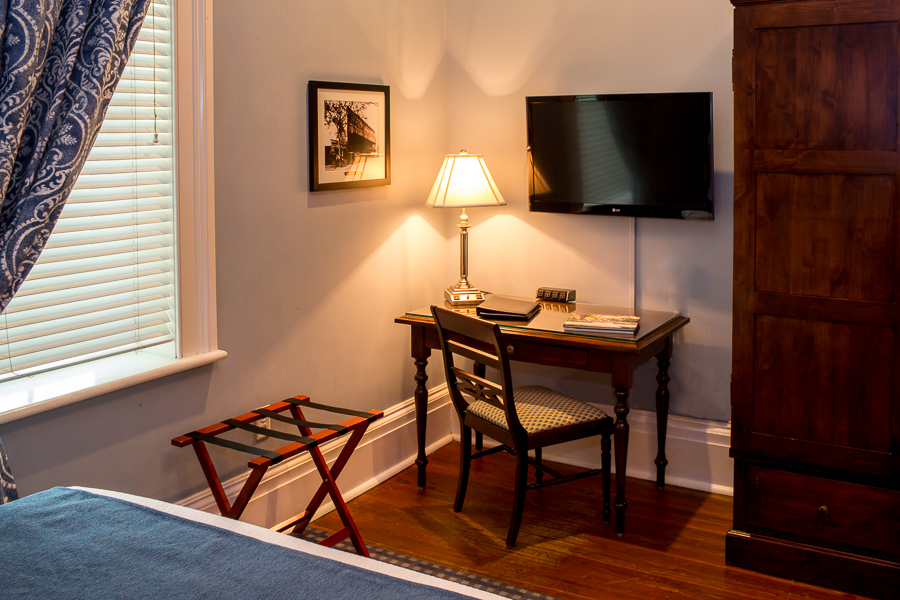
(662, 413)
(621, 438)
(421, 400)
(479, 370)
(605, 448)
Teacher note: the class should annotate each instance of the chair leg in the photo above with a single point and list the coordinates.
(539, 473)
(465, 457)
(519, 500)
(605, 463)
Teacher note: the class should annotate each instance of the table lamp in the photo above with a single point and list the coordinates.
(464, 182)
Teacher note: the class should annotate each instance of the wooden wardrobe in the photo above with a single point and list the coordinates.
(816, 345)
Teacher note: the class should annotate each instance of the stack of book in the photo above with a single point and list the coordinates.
(594, 324)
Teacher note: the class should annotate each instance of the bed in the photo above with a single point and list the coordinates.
(79, 543)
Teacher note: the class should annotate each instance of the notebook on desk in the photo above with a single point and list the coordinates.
(506, 308)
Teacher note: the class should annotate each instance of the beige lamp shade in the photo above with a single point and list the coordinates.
(464, 181)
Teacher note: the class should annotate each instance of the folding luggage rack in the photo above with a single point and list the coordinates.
(306, 442)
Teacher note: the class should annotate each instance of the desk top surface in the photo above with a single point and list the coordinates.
(552, 315)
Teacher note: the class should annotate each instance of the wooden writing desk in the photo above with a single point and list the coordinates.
(543, 341)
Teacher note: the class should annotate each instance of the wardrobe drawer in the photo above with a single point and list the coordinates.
(823, 509)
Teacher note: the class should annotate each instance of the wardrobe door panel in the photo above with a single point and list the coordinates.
(830, 87)
(827, 235)
(825, 383)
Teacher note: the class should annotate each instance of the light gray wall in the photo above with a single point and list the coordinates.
(309, 284)
(499, 52)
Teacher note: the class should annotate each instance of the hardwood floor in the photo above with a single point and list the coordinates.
(673, 547)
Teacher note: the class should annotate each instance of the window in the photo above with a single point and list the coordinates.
(105, 281)
(105, 290)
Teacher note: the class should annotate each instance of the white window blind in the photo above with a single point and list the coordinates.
(105, 282)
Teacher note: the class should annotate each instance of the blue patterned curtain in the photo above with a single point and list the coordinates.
(8, 491)
(60, 61)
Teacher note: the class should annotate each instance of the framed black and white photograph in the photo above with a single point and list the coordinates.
(349, 135)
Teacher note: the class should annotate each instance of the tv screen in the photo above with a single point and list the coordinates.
(638, 155)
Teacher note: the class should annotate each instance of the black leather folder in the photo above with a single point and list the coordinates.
(503, 307)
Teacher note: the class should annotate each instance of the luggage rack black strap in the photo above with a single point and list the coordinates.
(274, 415)
(336, 409)
(310, 442)
(275, 457)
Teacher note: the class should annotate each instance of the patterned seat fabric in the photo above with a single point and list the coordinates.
(540, 409)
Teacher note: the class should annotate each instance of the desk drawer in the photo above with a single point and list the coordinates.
(823, 509)
(546, 354)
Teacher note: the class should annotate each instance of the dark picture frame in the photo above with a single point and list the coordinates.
(349, 135)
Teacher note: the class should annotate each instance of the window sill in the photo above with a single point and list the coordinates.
(33, 395)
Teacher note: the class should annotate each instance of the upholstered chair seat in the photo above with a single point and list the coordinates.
(540, 409)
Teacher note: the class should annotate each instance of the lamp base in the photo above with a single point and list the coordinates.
(463, 296)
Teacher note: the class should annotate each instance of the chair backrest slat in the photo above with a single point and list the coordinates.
(479, 356)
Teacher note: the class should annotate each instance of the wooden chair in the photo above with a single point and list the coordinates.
(527, 418)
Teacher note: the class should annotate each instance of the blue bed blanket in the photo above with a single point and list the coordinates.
(67, 544)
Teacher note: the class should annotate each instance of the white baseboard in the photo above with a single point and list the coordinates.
(697, 451)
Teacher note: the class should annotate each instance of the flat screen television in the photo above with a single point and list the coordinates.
(635, 155)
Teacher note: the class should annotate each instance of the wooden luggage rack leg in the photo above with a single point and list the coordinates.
(307, 441)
